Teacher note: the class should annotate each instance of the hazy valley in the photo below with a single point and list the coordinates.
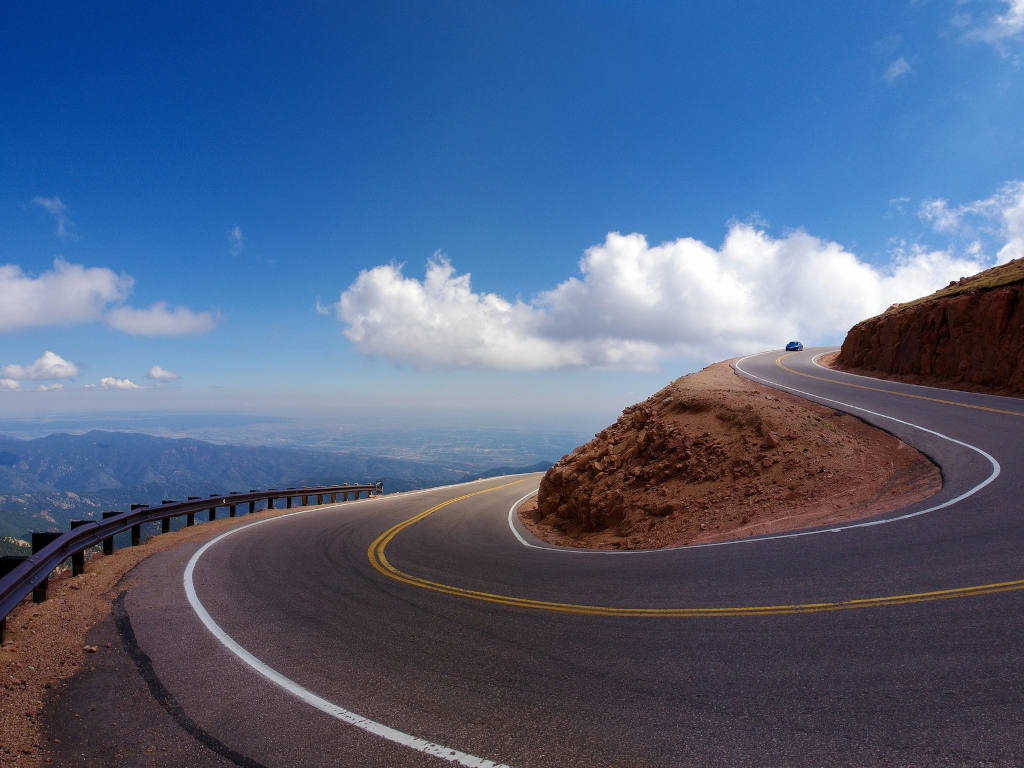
(46, 481)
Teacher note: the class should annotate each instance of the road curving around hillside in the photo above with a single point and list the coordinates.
(418, 628)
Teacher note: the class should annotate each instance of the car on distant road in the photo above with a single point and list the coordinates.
(794, 346)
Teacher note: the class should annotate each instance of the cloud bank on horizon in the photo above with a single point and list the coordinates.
(634, 304)
(51, 367)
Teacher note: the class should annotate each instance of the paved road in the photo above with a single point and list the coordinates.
(449, 635)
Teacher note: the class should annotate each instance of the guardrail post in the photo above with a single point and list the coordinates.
(305, 501)
(78, 558)
(39, 540)
(270, 502)
(319, 498)
(165, 524)
(137, 528)
(108, 543)
(288, 503)
(7, 564)
(213, 514)
(252, 507)
(191, 515)
(231, 511)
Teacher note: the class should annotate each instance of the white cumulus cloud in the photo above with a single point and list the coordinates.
(9, 384)
(110, 382)
(1012, 215)
(65, 295)
(159, 320)
(634, 303)
(161, 374)
(51, 387)
(442, 322)
(1009, 23)
(998, 219)
(1002, 30)
(49, 366)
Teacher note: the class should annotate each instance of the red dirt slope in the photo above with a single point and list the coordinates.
(714, 456)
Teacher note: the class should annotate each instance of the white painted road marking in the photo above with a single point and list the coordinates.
(304, 694)
(816, 398)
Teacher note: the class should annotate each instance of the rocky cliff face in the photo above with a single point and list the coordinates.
(969, 334)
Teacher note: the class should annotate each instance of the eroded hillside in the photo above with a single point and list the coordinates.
(714, 456)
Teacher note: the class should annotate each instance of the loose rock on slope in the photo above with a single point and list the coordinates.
(714, 456)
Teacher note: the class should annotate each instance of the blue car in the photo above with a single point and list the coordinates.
(794, 346)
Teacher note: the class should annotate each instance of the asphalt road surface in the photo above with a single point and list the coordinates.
(418, 628)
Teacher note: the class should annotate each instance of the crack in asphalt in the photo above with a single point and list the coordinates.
(164, 697)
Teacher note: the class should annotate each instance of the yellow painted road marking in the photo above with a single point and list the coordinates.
(379, 561)
(779, 359)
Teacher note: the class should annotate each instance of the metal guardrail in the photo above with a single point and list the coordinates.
(49, 550)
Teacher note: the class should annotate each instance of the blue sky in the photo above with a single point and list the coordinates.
(504, 207)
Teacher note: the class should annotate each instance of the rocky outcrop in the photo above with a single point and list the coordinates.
(713, 455)
(624, 473)
(969, 334)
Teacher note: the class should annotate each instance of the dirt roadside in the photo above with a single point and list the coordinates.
(45, 642)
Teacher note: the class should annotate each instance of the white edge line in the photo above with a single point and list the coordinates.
(304, 694)
(798, 534)
(512, 525)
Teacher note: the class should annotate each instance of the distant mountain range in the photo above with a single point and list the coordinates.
(48, 481)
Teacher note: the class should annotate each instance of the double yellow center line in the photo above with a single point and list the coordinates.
(379, 560)
(783, 366)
